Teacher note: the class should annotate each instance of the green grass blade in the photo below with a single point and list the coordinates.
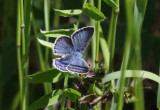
(27, 16)
(93, 23)
(19, 61)
(46, 18)
(111, 42)
(97, 35)
(105, 49)
(56, 18)
(131, 74)
(16, 101)
(38, 46)
(63, 95)
(112, 38)
(139, 12)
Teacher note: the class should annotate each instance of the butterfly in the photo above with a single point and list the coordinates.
(70, 49)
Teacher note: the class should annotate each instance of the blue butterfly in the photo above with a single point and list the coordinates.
(70, 49)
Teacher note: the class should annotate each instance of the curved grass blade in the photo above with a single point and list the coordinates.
(132, 73)
(105, 49)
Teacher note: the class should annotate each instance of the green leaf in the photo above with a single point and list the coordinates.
(98, 91)
(47, 100)
(72, 75)
(72, 94)
(68, 13)
(93, 12)
(132, 73)
(51, 76)
(57, 33)
(45, 43)
(111, 3)
(92, 89)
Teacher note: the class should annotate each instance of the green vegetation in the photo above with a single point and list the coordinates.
(124, 55)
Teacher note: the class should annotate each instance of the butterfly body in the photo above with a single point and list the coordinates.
(70, 49)
(77, 54)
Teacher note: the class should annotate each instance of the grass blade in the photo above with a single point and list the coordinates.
(131, 74)
(105, 49)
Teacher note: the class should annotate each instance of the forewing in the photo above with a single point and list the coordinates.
(82, 38)
(63, 46)
(78, 65)
(62, 63)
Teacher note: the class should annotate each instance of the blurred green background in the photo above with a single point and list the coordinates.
(9, 86)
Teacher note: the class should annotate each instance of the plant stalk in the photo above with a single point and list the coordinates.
(24, 59)
(92, 22)
(63, 96)
(22, 30)
(46, 18)
(56, 17)
(19, 61)
(39, 50)
(47, 86)
(112, 38)
(97, 39)
(80, 16)
(112, 34)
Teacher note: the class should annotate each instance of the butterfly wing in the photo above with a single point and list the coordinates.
(82, 38)
(63, 46)
(78, 65)
(62, 63)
